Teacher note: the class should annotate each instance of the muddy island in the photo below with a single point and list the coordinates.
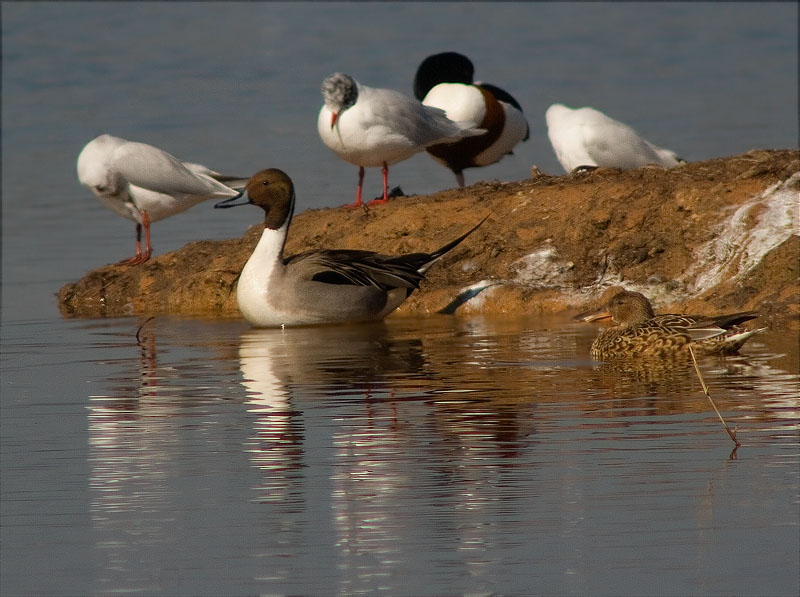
(712, 236)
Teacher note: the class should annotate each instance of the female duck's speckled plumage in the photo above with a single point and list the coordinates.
(318, 286)
(641, 333)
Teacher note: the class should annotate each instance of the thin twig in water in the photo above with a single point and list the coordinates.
(139, 331)
(732, 434)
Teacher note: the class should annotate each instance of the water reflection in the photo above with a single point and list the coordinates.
(385, 395)
(275, 445)
(131, 433)
(371, 450)
(350, 361)
(349, 358)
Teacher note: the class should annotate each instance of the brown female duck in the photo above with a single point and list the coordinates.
(640, 332)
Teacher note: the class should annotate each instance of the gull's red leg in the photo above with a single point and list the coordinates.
(140, 257)
(385, 171)
(148, 247)
(358, 202)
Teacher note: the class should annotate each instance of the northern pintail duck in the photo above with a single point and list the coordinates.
(639, 332)
(146, 184)
(372, 127)
(585, 137)
(445, 81)
(318, 286)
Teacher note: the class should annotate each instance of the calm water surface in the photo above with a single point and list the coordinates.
(435, 456)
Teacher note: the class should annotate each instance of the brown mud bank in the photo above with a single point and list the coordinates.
(712, 236)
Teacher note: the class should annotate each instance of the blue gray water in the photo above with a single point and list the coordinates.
(432, 456)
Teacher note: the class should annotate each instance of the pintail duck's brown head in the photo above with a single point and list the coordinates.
(624, 308)
(273, 191)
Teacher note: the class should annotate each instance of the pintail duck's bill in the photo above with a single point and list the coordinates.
(594, 315)
(229, 202)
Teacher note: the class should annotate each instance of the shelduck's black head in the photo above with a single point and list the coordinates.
(446, 67)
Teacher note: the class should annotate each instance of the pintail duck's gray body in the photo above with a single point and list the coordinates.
(319, 286)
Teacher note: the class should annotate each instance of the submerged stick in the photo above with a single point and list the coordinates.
(139, 331)
(732, 434)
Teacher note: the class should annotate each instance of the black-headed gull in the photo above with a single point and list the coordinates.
(587, 137)
(318, 286)
(445, 81)
(146, 184)
(372, 127)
